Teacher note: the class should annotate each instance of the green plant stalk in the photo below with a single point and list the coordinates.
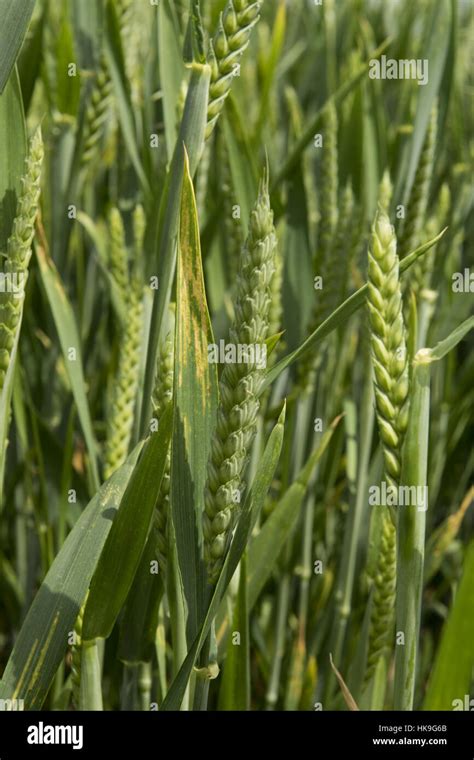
(91, 689)
(345, 581)
(412, 521)
(283, 602)
(411, 535)
(144, 685)
(295, 443)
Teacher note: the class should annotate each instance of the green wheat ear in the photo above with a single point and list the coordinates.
(240, 385)
(120, 417)
(388, 343)
(121, 414)
(76, 658)
(19, 251)
(390, 366)
(96, 114)
(385, 191)
(227, 46)
(383, 600)
(162, 396)
(118, 256)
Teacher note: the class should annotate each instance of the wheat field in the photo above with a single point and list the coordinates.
(236, 358)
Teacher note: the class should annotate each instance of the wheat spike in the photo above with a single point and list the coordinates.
(162, 396)
(19, 250)
(240, 385)
(390, 366)
(96, 114)
(227, 46)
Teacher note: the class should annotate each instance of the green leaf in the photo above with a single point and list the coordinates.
(250, 511)
(127, 538)
(270, 64)
(115, 63)
(451, 676)
(191, 137)
(172, 71)
(451, 341)
(140, 617)
(438, 34)
(242, 163)
(13, 144)
(42, 640)
(195, 397)
(235, 688)
(15, 16)
(68, 89)
(68, 333)
(29, 60)
(87, 23)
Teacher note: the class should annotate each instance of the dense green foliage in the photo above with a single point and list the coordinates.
(176, 531)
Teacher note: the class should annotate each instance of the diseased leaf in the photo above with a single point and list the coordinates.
(195, 397)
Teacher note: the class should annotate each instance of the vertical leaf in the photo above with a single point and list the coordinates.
(452, 672)
(191, 137)
(172, 70)
(195, 394)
